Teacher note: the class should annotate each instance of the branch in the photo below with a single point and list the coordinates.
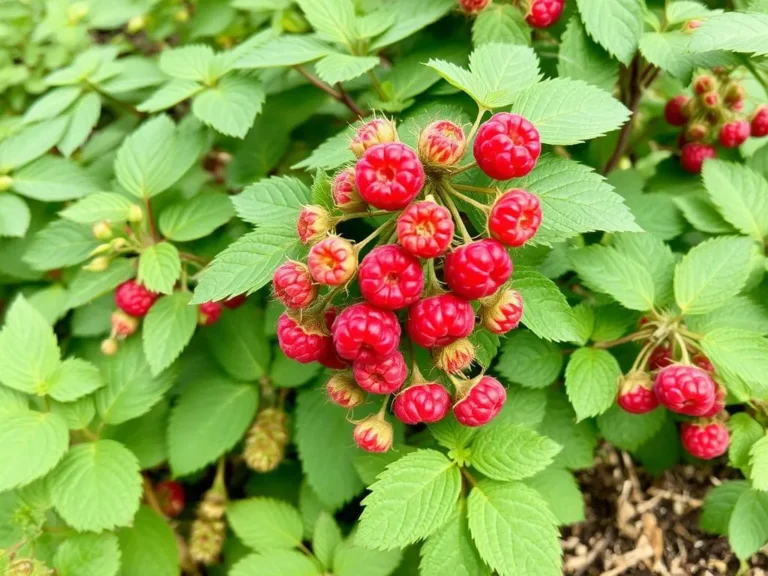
(339, 94)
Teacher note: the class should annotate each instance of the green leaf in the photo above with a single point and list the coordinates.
(195, 218)
(719, 504)
(748, 526)
(265, 524)
(31, 444)
(560, 490)
(500, 23)
(508, 452)
(159, 267)
(52, 179)
(97, 486)
(29, 144)
(336, 68)
(275, 201)
(580, 58)
(591, 380)
(168, 328)
(193, 62)
(670, 52)
(334, 20)
(739, 352)
(144, 436)
(88, 555)
(87, 285)
(486, 346)
(614, 24)
(657, 214)
(451, 435)
(231, 106)
(655, 256)
(99, 207)
(170, 94)
(450, 550)
(745, 431)
(629, 431)
(275, 563)
(287, 373)
(513, 529)
(350, 560)
(148, 543)
(74, 378)
(744, 312)
(238, 343)
(702, 214)
(758, 455)
(327, 538)
(84, 117)
(734, 31)
(209, 419)
(712, 273)
(407, 20)
(289, 50)
(14, 216)
(330, 154)
(546, 312)
(77, 414)
(606, 270)
(409, 501)
(60, 244)
(51, 104)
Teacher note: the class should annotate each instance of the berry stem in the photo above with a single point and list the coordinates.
(354, 215)
(464, 168)
(624, 339)
(432, 284)
(456, 216)
(480, 113)
(751, 67)
(150, 219)
(683, 348)
(359, 246)
(467, 199)
(642, 358)
(478, 189)
(383, 409)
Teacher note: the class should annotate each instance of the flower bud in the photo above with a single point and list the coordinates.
(376, 131)
(345, 194)
(266, 441)
(734, 92)
(314, 224)
(344, 391)
(102, 231)
(704, 83)
(711, 100)
(135, 213)
(123, 325)
(374, 434)
(697, 131)
(5, 182)
(181, 15)
(456, 357)
(109, 347)
(442, 143)
(502, 313)
(98, 264)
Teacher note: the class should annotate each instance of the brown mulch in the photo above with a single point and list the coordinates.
(640, 525)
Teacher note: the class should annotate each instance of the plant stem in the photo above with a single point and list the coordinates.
(464, 168)
(339, 94)
(478, 189)
(347, 100)
(354, 215)
(359, 246)
(623, 340)
(376, 85)
(456, 216)
(467, 199)
(150, 219)
(471, 479)
(480, 113)
(683, 348)
(151, 497)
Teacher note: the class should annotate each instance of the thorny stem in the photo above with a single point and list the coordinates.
(478, 189)
(456, 216)
(467, 199)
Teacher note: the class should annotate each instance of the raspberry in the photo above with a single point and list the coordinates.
(422, 403)
(502, 314)
(636, 393)
(685, 390)
(313, 224)
(381, 376)
(507, 146)
(473, 6)
(544, 13)
(344, 391)
(123, 325)
(759, 124)
(456, 357)
(704, 83)
(389, 176)
(442, 143)
(425, 229)
(515, 217)
(332, 261)
(706, 440)
(133, 299)
(170, 496)
(329, 357)
(674, 111)
(374, 434)
(711, 100)
(345, 194)
(661, 357)
(209, 313)
(703, 362)
(477, 269)
(694, 154)
(292, 285)
(719, 405)
(390, 278)
(301, 343)
(734, 92)
(373, 132)
(440, 320)
(366, 333)
(482, 402)
(733, 134)
(235, 302)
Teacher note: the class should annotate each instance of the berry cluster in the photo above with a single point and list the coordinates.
(538, 13)
(712, 116)
(419, 282)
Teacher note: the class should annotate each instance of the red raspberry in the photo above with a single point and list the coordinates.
(366, 333)
(685, 390)
(515, 217)
(374, 434)
(507, 146)
(209, 313)
(733, 134)
(422, 403)
(759, 124)
(711, 100)
(301, 343)
(544, 13)
(345, 194)
(330, 358)
(661, 357)
(636, 394)
(390, 278)
(170, 496)
(674, 111)
(706, 440)
(373, 132)
(704, 83)
(389, 176)
(235, 301)
(123, 325)
(332, 261)
(133, 299)
(456, 357)
(442, 143)
(481, 403)
(440, 320)
(703, 362)
(719, 405)
(344, 391)
(425, 229)
(313, 224)
(504, 313)
(473, 6)
(477, 269)
(292, 285)
(381, 376)
(694, 154)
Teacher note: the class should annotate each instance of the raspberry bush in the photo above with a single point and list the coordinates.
(343, 288)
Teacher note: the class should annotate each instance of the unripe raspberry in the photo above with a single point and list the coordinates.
(503, 313)
(697, 131)
(381, 376)
(123, 325)
(373, 132)
(507, 146)
(720, 395)
(456, 357)
(473, 6)
(266, 441)
(389, 176)
(292, 285)
(440, 320)
(636, 393)
(102, 231)
(170, 496)
(209, 313)
(477, 269)
(733, 134)
(685, 389)
(711, 100)
(135, 214)
(345, 194)
(109, 347)
(442, 143)
(660, 357)
(481, 403)
(703, 362)
(5, 182)
(422, 403)
(235, 302)
(515, 217)
(132, 298)
(344, 391)
(694, 154)
(675, 112)
(98, 264)
(313, 224)
(390, 277)
(374, 434)
(366, 333)
(706, 440)
(759, 124)
(704, 83)
(332, 261)
(734, 92)
(544, 13)
(425, 229)
(206, 540)
(301, 343)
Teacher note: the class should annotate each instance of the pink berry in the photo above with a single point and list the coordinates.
(381, 376)
(441, 143)
(365, 332)
(133, 299)
(390, 277)
(473, 6)
(425, 229)
(123, 325)
(477, 269)
(704, 83)
(292, 285)
(345, 194)
(313, 224)
(373, 434)
(170, 496)
(389, 176)
(332, 261)
(507, 146)
(661, 357)
(422, 403)
(674, 111)
(705, 440)
(694, 154)
(636, 394)
(303, 343)
(685, 389)
(544, 13)
(720, 396)
(481, 403)
(373, 132)
(759, 124)
(733, 134)
(439, 320)
(209, 313)
(344, 391)
(504, 313)
(515, 217)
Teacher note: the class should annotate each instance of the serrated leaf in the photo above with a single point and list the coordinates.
(486, 346)
(336, 68)
(88, 555)
(287, 373)
(560, 490)
(452, 435)
(734, 31)
(332, 19)
(74, 378)
(159, 267)
(145, 436)
(669, 51)
(87, 285)
(149, 542)
(168, 328)
(580, 58)
(276, 200)
(739, 352)
(629, 431)
(745, 431)
(655, 256)
(170, 94)
(78, 414)
(195, 218)
(500, 23)
(99, 207)
(85, 115)
(614, 24)
(508, 452)
(14, 216)
(29, 144)
(276, 562)
(60, 244)
(748, 525)
(326, 539)
(289, 50)
(744, 312)
(238, 343)
(758, 460)
(350, 560)
(52, 179)
(450, 550)
(719, 504)
(408, 21)
(702, 214)
(231, 106)
(193, 62)
(265, 524)
(97, 486)
(546, 312)
(330, 154)
(51, 104)
(591, 380)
